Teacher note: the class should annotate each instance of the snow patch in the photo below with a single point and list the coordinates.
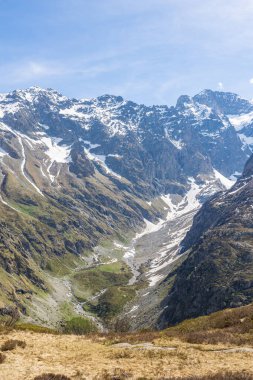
(23, 166)
(155, 279)
(199, 111)
(74, 113)
(247, 141)
(177, 143)
(189, 202)
(99, 158)
(241, 121)
(224, 180)
(150, 227)
(134, 308)
(129, 254)
(56, 152)
(235, 176)
(118, 245)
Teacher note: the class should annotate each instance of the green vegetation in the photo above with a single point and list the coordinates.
(79, 326)
(34, 328)
(65, 265)
(117, 267)
(240, 318)
(233, 326)
(108, 279)
(229, 326)
(113, 301)
(88, 282)
(67, 311)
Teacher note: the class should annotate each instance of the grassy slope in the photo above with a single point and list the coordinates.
(232, 326)
(97, 356)
(48, 235)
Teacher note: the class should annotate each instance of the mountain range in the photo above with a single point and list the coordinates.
(97, 200)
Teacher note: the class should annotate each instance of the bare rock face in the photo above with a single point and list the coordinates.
(248, 169)
(224, 102)
(218, 271)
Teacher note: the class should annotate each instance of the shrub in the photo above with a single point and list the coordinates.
(121, 325)
(117, 374)
(35, 328)
(12, 344)
(2, 358)
(51, 376)
(124, 354)
(79, 326)
(113, 300)
(132, 338)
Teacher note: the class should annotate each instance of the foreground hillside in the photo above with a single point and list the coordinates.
(220, 343)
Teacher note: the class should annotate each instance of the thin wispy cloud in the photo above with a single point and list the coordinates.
(32, 71)
(150, 51)
(26, 71)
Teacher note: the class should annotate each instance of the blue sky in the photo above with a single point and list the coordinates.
(149, 51)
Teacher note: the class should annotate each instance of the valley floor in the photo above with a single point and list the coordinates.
(125, 277)
(95, 357)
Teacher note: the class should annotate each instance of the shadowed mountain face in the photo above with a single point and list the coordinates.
(73, 172)
(218, 272)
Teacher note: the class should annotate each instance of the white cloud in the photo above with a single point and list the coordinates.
(30, 71)
(220, 86)
(33, 70)
(251, 81)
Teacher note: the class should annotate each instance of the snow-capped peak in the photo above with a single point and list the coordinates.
(32, 94)
(188, 106)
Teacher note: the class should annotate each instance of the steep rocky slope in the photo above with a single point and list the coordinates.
(75, 173)
(218, 272)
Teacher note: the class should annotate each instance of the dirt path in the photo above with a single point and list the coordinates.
(143, 346)
(237, 349)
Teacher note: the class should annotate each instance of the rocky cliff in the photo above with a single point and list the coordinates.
(218, 270)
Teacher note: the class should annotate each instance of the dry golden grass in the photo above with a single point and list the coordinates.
(51, 376)
(80, 358)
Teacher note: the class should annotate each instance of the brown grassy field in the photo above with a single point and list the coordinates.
(79, 357)
(219, 345)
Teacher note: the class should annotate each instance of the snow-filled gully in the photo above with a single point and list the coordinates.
(159, 244)
(22, 167)
(23, 162)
